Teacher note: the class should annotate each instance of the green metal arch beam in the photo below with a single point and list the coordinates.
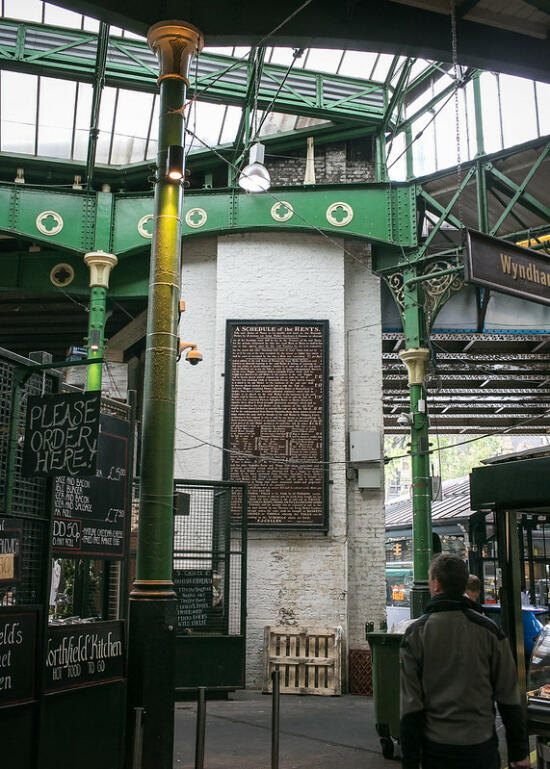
(78, 222)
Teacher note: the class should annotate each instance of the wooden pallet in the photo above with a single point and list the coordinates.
(308, 659)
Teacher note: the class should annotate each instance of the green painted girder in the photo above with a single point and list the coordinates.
(78, 222)
(48, 216)
(71, 54)
(29, 272)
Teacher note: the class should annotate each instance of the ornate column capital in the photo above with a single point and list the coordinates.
(415, 359)
(100, 264)
(174, 43)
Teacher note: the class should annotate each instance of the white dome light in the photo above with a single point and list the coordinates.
(255, 177)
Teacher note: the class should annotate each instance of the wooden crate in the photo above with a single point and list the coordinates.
(309, 659)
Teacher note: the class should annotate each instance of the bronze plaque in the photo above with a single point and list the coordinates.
(276, 420)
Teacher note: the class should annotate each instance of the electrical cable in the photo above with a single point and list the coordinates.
(267, 110)
(309, 463)
(259, 44)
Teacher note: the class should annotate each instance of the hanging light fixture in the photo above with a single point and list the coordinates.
(255, 177)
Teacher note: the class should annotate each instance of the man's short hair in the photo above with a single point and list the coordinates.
(474, 583)
(451, 572)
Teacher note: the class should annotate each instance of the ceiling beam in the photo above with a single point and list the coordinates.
(387, 27)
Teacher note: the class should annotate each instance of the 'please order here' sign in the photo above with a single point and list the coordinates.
(61, 434)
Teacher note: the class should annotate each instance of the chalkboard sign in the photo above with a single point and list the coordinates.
(81, 655)
(17, 655)
(194, 595)
(90, 514)
(61, 434)
(11, 534)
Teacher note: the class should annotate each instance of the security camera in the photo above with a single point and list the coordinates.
(405, 420)
(193, 357)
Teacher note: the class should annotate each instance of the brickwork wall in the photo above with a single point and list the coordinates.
(366, 516)
(298, 578)
(334, 164)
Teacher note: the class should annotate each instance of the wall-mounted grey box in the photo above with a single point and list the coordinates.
(369, 476)
(364, 446)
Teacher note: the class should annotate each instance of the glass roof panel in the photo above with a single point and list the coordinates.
(324, 59)
(60, 17)
(543, 102)
(91, 25)
(131, 127)
(18, 110)
(397, 158)
(27, 10)
(82, 121)
(231, 124)
(358, 64)
(206, 122)
(382, 67)
(518, 99)
(56, 117)
(492, 133)
(285, 57)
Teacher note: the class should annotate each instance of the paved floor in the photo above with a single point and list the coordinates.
(315, 733)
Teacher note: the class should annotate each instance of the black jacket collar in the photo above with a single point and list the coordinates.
(442, 602)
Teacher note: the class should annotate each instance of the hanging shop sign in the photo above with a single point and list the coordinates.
(82, 655)
(507, 268)
(11, 535)
(276, 420)
(61, 434)
(17, 655)
(91, 514)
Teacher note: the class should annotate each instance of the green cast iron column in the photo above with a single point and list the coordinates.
(381, 168)
(415, 357)
(152, 613)
(100, 265)
(481, 178)
(421, 499)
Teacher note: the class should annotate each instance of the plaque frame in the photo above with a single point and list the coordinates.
(231, 323)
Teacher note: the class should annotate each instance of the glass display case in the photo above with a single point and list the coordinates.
(539, 685)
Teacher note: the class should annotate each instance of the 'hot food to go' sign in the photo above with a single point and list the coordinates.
(61, 434)
(81, 655)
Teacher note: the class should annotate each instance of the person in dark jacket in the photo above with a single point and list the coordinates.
(455, 665)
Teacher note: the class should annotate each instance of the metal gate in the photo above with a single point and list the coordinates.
(210, 541)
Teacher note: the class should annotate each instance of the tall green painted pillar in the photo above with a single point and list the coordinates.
(415, 359)
(152, 611)
(100, 265)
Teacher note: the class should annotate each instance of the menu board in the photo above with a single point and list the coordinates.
(17, 657)
(80, 655)
(11, 535)
(276, 420)
(194, 590)
(90, 513)
(61, 434)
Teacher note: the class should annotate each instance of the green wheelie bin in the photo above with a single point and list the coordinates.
(385, 686)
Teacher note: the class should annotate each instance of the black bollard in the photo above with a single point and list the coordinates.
(201, 728)
(138, 738)
(275, 679)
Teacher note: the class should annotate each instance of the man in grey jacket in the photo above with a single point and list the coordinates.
(455, 665)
